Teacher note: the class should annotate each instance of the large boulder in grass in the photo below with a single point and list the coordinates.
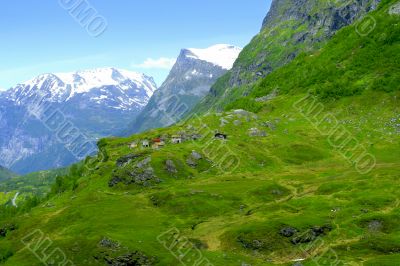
(170, 167)
(311, 234)
(395, 9)
(135, 258)
(288, 231)
(124, 160)
(141, 174)
(193, 159)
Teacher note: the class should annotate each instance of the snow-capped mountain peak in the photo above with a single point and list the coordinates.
(223, 55)
(85, 80)
(101, 84)
(81, 106)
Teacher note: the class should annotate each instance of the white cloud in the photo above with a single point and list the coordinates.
(160, 63)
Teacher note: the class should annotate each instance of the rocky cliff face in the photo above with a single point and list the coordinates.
(296, 26)
(290, 27)
(190, 79)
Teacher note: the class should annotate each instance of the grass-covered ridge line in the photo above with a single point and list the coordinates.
(291, 28)
(348, 65)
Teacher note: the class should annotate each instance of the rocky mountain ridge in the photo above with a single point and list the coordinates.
(190, 79)
(92, 103)
(290, 28)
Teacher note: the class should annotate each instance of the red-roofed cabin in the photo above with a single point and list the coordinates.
(158, 143)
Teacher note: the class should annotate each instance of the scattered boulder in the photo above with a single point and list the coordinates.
(288, 231)
(192, 163)
(170, 167)
(395, 9)
(262, 99)
(241, 112)
(141, 174)
(135, 258)
(223, 122)
(277, 192)
(143, 163)
(195, 155)
(269, 125)
(305, 237)
(5, 229)
(257, 244)
(144, 177)
(196, 136)
(108, 243)
(255, 132)
(375, 226)
(269, 97)
(311, 234)
(115, 181)
(193, 159)
(254, 244)
(126, 159)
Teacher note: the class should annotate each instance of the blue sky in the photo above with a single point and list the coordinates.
(42, 36)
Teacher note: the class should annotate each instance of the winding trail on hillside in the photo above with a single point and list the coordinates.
(13, 201)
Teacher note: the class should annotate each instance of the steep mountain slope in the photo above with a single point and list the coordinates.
(284, 188)
(291, 27)
(6, 174)
(190, 79)
(42, 118)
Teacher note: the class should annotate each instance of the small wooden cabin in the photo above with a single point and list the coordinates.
(133, 145)
(145, 143)
(158, 143)
(176, 139)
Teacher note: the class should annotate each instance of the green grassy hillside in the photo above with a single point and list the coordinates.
(290, 28)
(306, 179)
(31, 185)
(6, 174)
(348, 65)
(290, 178)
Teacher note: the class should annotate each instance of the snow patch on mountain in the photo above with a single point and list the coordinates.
(222, 55)
(118, 89)
(84, 81)
(94, 103)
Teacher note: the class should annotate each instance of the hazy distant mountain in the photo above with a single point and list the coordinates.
(190, 79)
(92, 103)
(6, 174)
